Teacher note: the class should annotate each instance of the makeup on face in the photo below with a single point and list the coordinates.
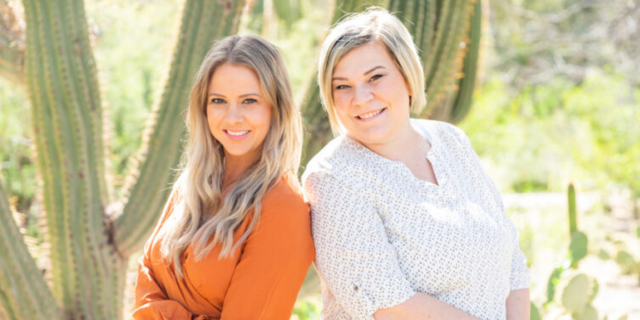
(370, 95)
(237, 113)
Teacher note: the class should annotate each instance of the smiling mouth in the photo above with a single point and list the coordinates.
(371, 114)
(237, 133)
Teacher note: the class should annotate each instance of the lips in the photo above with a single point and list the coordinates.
(370, 115)
(236, 134)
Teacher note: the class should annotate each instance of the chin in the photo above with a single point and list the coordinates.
(372, 135)
(237, 152)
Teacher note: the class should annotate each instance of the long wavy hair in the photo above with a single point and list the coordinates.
(201, 217)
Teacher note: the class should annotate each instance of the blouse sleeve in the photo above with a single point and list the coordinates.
(353, 254)
(151, 300)
(519, 277)
(274, 261)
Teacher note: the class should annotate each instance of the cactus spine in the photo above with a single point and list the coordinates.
(439, 29)
(26, 298)
(88, 248)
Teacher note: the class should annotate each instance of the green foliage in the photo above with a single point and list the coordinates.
(306, 310)
(131, 79)
(546, 135)
(552, 283)
(535, 313)
(17, 167)
(626, 262)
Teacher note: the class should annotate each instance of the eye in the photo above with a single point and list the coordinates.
(249, 101)
(217, 101)
(376, 77)
(342, 87)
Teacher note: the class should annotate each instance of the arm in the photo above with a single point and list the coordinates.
(274, 261)
(356, 260)
(518, 305)
(422, 306)
(151, 299)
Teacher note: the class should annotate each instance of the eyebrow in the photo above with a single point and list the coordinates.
(241, 96)
(366, 73)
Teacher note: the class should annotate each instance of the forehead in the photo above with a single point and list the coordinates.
(362, 58)
(234, 78)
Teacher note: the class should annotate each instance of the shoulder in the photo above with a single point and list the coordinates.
(439, 128)
(337, 160)
(285, 201)
(443, 133)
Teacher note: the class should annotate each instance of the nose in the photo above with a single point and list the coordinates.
(234, 113)
(363, 94)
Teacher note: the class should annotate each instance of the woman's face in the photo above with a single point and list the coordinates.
(370, 95)
(237, 113)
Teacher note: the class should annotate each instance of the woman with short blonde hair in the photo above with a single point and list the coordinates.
(359, 29)
(406, 222)
(234, 240)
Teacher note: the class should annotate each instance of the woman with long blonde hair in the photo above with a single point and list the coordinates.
(234, 239)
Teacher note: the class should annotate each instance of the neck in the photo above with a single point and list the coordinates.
(400, 146)
(234, 167)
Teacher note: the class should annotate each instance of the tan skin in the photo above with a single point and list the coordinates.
(239, 118)
(372, 103)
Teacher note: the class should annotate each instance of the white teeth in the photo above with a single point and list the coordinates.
(239, 133)
(370, 114)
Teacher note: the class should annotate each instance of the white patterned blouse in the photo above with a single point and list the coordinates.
(381, 234)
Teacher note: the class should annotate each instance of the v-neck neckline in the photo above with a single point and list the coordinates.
(430, 156)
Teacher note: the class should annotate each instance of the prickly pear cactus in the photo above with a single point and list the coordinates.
(578, 291)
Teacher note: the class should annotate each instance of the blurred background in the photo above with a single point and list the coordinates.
(556, 102)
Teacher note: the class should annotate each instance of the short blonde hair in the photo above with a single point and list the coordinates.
(374, 24)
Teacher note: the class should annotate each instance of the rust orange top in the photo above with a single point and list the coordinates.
(260, 280)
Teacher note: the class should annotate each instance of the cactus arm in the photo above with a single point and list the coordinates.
(467, 83)
(202, 22)
(11, 45)
(441, 66)
(63, 89)
(571, 197)
(23, 292)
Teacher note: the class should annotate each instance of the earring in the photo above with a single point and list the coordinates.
(409, 101)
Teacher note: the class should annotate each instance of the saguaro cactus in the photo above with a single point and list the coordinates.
(88, 247)
(447, 34)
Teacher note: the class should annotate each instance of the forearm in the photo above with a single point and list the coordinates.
(423, 306)
(518, 305)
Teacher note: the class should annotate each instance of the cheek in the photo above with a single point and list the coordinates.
(341, 100)
(213, 117)
(261, 119)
